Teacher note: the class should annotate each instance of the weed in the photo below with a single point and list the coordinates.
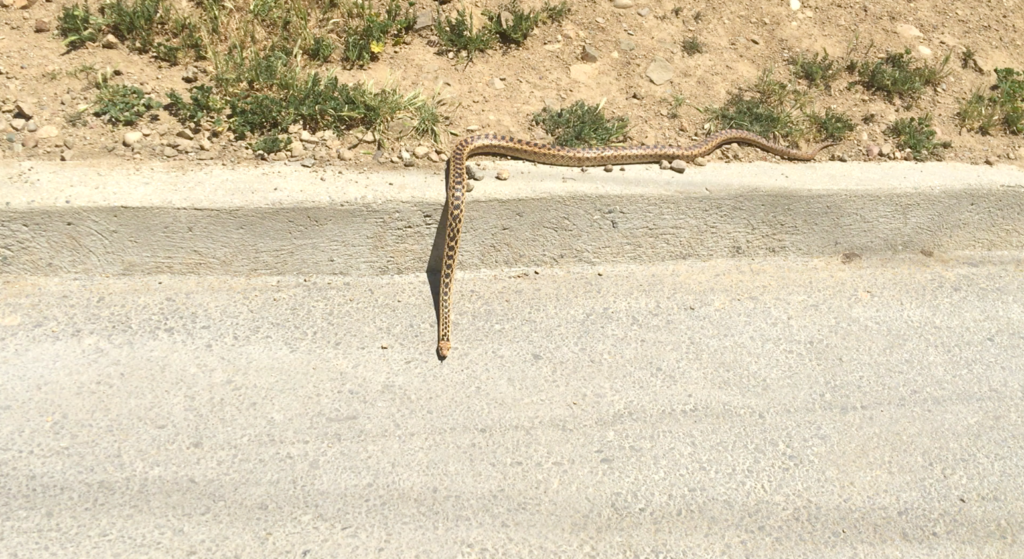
(969, 61)
(271, 144)
(816, 70)
(123, 104)
(203, 105)
(1005, 105)
(457, 35)
(677, 102)
(581, 124)
(898, 75)
(76, 119)
(692, 45)
(369, 31)
(78, 25)
(512, 25)
(320, 49)
(833, 126)
(771, 109)
(134, 24)
(677, 11)
(917, 135)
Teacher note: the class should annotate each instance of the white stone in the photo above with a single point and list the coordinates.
(794, 5)
(622, 4)
(131, 138)
(660, 71)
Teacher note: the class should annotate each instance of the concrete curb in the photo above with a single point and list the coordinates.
(86, 219)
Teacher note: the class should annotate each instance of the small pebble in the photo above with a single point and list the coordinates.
(474, 172)
(664, 165)
(872, 151)
(700, 162)
(678, 166)
(66, 155)
(502, 174)
(609, 168)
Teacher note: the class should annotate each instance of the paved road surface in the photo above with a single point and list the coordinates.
(779, 408)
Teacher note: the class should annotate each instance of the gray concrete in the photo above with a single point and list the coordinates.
(278, 220)
(737, 408)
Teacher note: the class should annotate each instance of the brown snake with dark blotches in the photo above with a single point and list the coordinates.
(570, 157)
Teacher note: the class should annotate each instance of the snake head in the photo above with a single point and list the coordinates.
(443, 348)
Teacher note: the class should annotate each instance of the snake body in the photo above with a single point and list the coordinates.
(572, 157)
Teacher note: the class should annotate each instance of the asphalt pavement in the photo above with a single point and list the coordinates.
(788, 407)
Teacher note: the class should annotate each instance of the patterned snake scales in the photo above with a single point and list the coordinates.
(569, 157)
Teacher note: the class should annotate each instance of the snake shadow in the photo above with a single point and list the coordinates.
(435, 260)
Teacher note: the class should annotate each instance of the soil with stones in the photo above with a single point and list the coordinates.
(603, 51)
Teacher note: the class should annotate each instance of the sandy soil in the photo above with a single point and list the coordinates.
(741, 38)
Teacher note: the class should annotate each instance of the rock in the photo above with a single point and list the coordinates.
(424, 20)
(186, 134)
(11, 138)
(678, 166)
(395, 159)
(873, 151)
(988, 160)
(625, 45)
(433, 157)
(368, 138)
(205, 156)
(308, 162)
(191, 75)
(110, 42)
(885, 150)
(66, 100)
(66, 155)
(502, 174)
(305, 136)
(296, 149)
(31, 126)
(754, 39)
(660, 71)
(420, 152)
(794, 5)
(474, 172)
(42, 25)
(473, 128)
(664, 165)
(30, 142)
(48, 131)
(908, 31)
(924, 51)
(496, 83)
(25, 109)
(848, 257)
(69, 143)
(204, 144)
(346, 155)
(590, 54)
(131, 138)
(170, 152)
(700, 162)
(18, 124)
(609, 168)
(643, 12)
(24, 4)
(622, 4)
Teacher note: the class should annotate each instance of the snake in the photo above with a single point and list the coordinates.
(493, 144)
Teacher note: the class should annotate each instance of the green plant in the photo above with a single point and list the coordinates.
(772, 109)
(833, 126)
(816, 70)
(456, 34)
(78, 25)
(134, 24)
(917, 135)
(320, 49)
(271, 144)
(202, 105)
(968, 60)
(368, 31)
(512, 24)
(677, 102)
(123, 104)
(899, 75)
(692, 45)
(1005, 105)
(581, 124)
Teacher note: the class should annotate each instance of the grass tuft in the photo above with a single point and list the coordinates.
(78, 25)
(917, 135)
(833, 126)
(456, 35)
(818, 70)
(771, 108)
(581, 124)
(692, 46)
(123, 105)
(899, 75)
(1003, 107)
